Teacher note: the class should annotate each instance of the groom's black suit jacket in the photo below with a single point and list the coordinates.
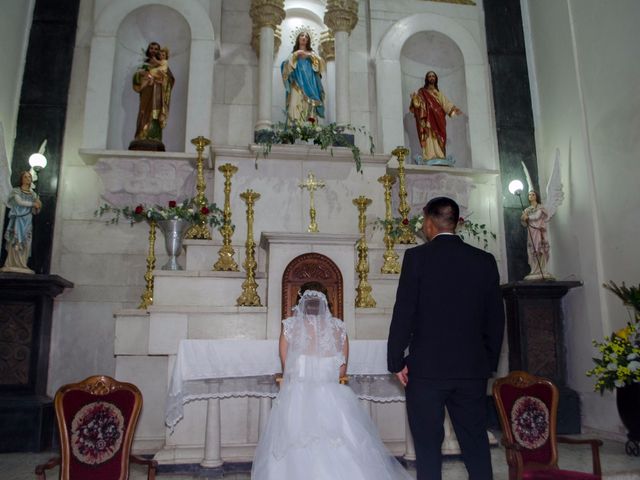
(448, 311)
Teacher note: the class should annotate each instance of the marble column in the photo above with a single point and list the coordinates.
(267, 15)
(328, 53)
(263, 414)
(341, 17)
(212, 457)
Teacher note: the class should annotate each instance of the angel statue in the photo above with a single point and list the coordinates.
(23, 203)
(536, 217)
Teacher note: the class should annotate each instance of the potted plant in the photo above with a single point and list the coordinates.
(617, 368)
(325, 136)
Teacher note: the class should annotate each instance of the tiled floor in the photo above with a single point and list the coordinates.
(616, 465)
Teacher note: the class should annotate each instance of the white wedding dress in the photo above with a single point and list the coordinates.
(317, 429)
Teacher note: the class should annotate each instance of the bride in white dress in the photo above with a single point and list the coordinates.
(317, 429)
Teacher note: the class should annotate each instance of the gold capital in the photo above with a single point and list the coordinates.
(267, 13)
(341, 15)
(327, 46)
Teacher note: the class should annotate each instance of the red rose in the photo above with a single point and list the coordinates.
(204, 211)
(172, 204)
(461, 220)
(311, 120)
(405, 221)
(139, 209)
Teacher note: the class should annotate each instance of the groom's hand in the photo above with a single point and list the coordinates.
(403, 376)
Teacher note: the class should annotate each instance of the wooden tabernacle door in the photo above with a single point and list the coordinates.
(310, 267)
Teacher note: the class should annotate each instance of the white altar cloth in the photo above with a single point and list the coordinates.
(207, 369)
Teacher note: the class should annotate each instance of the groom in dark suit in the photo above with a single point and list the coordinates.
(449, 313)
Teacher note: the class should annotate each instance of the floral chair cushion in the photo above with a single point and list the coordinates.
(97, 427)
(529, 412)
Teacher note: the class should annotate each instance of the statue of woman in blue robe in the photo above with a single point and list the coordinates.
(24, 203)
(301, 74)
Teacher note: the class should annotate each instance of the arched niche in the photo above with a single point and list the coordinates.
(426, 51)
(392, 103)
(309, 14)
(121, 29)
(149, 23)
(312, 267)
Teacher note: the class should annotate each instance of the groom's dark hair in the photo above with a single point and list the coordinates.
(444, 212)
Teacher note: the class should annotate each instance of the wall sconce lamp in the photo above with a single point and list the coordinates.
(37, 161)
(515, 188)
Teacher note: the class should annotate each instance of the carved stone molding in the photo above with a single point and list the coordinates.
(341, 15)
(267, 13)
(255, 39)
(327, 46)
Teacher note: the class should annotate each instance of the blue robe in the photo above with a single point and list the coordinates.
(299, 73)
(19, 228)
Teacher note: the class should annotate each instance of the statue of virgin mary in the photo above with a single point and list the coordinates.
(302, 74)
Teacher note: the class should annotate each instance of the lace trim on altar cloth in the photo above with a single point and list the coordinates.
(374, 388)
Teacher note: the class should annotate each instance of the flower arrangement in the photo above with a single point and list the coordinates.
(619, 361)
(466, 228)
(187, 210)
(326, 136)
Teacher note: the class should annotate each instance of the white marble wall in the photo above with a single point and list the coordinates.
(575, 51)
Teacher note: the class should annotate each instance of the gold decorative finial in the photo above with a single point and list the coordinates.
(225, 262)
(363, 290)
(406, 235)
(147, 296)
(249, 296)
(312, 185)
(391, 263)
(200, 230)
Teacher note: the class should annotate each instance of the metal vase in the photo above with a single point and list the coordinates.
(174, 231)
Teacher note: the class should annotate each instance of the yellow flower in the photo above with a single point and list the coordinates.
(624, 332)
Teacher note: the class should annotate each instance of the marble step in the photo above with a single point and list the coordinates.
(202, 288)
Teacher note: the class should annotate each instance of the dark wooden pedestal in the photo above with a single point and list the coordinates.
(26, 413)
(535, 334)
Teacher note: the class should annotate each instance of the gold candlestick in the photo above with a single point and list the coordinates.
(249, 296)
(225, 262)
(406, 235)
(391, 264)
(363, 290)
(147, 296)
(200, 230)
(312, 185)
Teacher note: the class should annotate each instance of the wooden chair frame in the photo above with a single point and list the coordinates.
(521, 379)
(99, 386)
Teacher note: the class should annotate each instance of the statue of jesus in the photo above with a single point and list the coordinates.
(430, 108)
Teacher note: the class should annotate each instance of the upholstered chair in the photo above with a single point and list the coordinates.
(97, 418)
(527, 406)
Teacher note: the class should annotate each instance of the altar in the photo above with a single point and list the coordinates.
(208, 371)
(248, 368)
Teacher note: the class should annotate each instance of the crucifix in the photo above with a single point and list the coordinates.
(312, 185)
